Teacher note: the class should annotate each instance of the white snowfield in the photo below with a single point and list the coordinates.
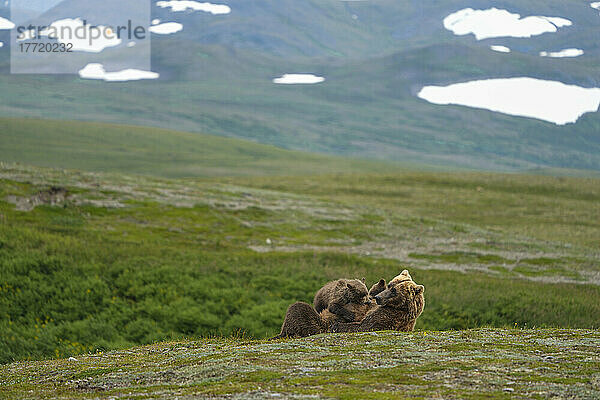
(295, 79)
(563, 53)
(549, 101)
(500, 49)
(183, 5)
(64, 32)
(493, 23)
(6, 24)
(167, 28)
(96, 71)
(595, 5)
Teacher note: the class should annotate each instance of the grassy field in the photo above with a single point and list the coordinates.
(100, 261)
(483, 363)
(553, 209)
(159, 152)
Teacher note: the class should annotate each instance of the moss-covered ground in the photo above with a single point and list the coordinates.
(481, 363)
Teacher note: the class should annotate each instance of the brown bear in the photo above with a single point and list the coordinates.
(302, 320)
(358, 310)
(404, 276)
(377, 288)
(335, 297)
(398, 308)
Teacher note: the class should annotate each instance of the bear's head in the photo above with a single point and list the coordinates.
(406, 296)
(377, 288)
(356, 291)
(403, 277)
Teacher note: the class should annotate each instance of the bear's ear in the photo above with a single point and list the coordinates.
(419, 289)
(381, 282)
(364, 280)
(405, 273)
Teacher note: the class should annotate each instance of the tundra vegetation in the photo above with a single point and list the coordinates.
(202, 269)
(93, 261)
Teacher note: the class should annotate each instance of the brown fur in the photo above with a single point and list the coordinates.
(359, 311)
(377, 288)
(301, 320)
(404, 276)
(339, 296)
(398, 308)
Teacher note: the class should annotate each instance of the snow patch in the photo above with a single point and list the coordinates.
(294, 79)
(6, 24)
(183, 5)
(63, 31)
(563, 53)
(167, 28)
(549, 101)
(492, 23)
(500, 49)
(96, 71)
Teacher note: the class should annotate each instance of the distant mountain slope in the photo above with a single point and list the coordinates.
(364, 28)
(365, 108)
(324, 28)
(158, 152)
(216, 77)
(287, 28)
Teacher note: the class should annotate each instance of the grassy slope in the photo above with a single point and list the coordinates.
(159, 152)
(132, 259)
(468, 364)
(555, 209)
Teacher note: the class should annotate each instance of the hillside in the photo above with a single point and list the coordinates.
(311, 29)
(153, 232)
(106, 260)
(216, 77)
(158, 152)
(490, 363)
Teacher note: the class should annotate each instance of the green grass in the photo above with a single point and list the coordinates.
(130, 260)
(159, 152)
(482, 363)
(553, 209)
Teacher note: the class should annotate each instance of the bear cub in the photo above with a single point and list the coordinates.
(398, 308)
(377, 288)
(302, 320)
(338, 297)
